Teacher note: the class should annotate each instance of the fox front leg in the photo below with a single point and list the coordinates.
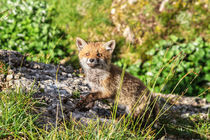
(91, 97)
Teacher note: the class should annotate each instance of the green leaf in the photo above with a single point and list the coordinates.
(151, 52)
(174, 38)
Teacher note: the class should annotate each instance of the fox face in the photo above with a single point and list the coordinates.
(95, 55)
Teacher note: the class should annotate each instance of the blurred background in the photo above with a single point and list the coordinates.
(165, 43)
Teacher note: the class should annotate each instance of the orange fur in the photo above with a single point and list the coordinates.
(93, 49)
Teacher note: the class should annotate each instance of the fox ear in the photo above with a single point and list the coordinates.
(80, 43)
(110, 45)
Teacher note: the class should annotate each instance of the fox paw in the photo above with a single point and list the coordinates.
(83, 105)
(80, 104)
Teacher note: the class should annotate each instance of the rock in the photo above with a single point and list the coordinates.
(17, 76)
(63, 90)
(2, 76)
(11, 83)
(69, 69)
(207, 106)
(9, 77)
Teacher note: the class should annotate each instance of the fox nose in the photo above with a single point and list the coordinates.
(91, 60)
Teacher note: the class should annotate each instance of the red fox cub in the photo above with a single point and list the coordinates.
(104, 79)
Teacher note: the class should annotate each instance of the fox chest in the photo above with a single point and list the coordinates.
(95, 82)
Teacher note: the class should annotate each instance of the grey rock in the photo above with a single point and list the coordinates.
(9, 77)
(17, 76)
(60, 92)
(2, 77)
(10, 84)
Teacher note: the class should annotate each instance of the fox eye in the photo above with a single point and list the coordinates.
(99, 54)
(87, 54)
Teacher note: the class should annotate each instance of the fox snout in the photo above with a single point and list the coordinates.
(93, 62)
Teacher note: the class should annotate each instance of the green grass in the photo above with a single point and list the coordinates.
(18, 121)
(3, 68)
(79, 17)
(88, 19)
(201, 126)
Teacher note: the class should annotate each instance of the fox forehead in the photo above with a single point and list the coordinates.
(93, 48)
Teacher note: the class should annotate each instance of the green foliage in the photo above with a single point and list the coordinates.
(17, 121)
(201, 126)
(152, 20)
(76, 94)
(89, 19)
(15, 117)
(3, 68)
(26, 26)
(175, 62)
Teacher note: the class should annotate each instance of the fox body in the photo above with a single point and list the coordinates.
(104, 78)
